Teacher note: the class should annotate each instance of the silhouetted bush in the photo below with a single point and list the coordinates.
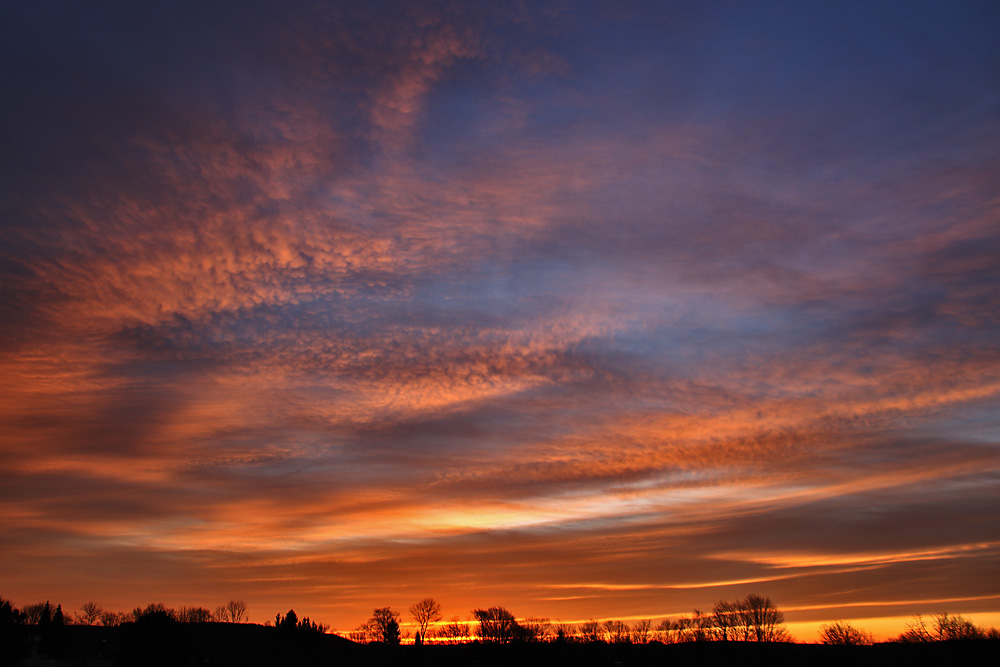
(944, 627)
(844, 634)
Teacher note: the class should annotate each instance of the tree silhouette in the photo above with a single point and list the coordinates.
(90, 613)
(664, 632)
(617, 632)
(15, 642)
(762, 620)
(591, 631)
(382, 627)
(945, 628)
(496, 625)
(534, 629)
(156, 610)
(454, 632)
(45, 616)
(113, 618)
(727, 620)
(9, 614)
(37, 614)
(194, 615)
(234, 611)
(312, 626)
(564, 633)
(425, 612)
(951, 628)
(641, 630)
(700, 627)
(156, 614)
(752, 619)
(289, 622)
(845, 634)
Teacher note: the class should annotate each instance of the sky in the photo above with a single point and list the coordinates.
(589, 310)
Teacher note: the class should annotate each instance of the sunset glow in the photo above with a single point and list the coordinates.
(590, 313)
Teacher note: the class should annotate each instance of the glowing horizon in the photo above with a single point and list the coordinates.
(588, 313)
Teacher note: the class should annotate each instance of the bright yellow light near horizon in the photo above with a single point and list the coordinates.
(882, 628)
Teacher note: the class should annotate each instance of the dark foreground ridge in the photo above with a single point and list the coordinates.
(247, 645)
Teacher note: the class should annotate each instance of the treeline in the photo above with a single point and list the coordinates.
(945, 627)
(751, 619)
(754, 618)
(91, 613)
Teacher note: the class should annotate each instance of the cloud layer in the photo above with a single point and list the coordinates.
(589, 315)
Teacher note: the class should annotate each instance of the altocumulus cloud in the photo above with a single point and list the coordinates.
(336, 306)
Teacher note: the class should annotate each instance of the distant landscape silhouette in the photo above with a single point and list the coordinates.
(748, 630)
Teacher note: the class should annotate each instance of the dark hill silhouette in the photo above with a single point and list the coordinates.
(161, 642)
(156, 641)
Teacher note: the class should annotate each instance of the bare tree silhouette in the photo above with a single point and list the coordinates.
(425, 612)
(843, 633)
(454, 632)
(534, 629)
(944, 627)
(234, 611)
(664, 632)
(727, 619)
(761, 620)
(641, 630)
(112, 618)
(194, 615)
(90, 613)
(617, 632)
(496, 625)
(591, 631)
(954, 627)
(37, 614)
